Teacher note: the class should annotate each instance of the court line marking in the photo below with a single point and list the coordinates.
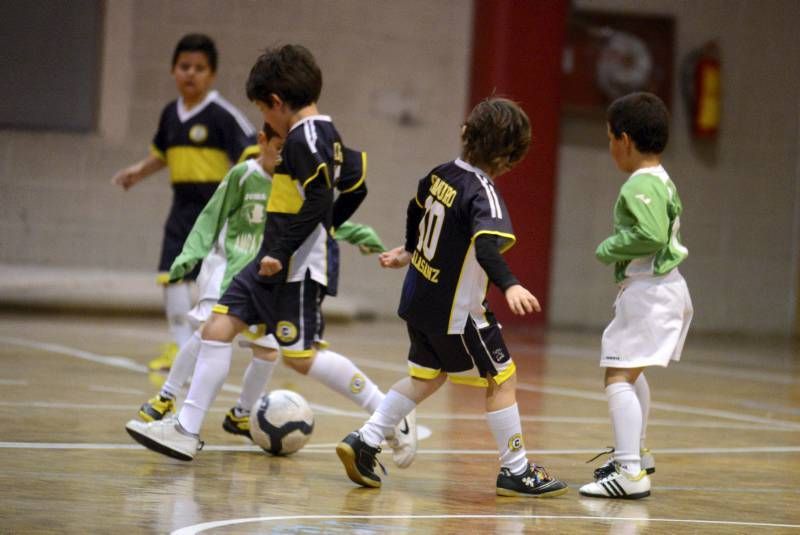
(129, 364)
(328, 447)
(332, 411)
(13, 382)
(198, 528)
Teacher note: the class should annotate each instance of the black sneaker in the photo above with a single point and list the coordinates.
(534, 482)
(237, 423)
(359, 460)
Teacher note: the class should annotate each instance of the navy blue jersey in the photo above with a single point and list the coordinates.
(201, 144)
(445, 285)
(300, 207)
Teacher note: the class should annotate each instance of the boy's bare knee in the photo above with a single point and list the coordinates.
(221, 328)
(264, 353)
(299, 365)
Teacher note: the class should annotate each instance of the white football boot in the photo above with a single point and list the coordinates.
(404, 441)
(619, 484)
(166, 437)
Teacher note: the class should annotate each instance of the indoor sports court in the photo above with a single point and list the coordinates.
(727, 455)
(84, 90)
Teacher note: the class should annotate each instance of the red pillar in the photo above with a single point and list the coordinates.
(517, 47)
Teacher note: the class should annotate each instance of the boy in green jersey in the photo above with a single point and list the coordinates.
(653, 309)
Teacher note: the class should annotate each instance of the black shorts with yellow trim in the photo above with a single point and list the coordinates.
(187, 203)
(467, 358)
(291, 310)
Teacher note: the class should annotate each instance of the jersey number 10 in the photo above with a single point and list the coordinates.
(430, 227)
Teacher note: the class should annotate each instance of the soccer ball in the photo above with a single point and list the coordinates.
(281, 422)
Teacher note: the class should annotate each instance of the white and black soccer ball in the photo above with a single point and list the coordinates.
(281, 422)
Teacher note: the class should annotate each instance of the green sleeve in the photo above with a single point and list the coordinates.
(363, 236)
(209, 223)
(641, 223)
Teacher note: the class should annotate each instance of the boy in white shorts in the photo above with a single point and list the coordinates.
(653, 309)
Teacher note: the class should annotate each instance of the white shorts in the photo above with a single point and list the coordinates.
(651, 319)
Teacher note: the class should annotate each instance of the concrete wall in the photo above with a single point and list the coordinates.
(380, 60)
(383, 59)
(740, 197)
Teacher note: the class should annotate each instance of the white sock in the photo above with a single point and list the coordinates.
(642, 389)
(177, 304)
(213, 363)
(338, 373)
(394, 407)
(507, 430)
(182, 368)
(254, 382)
(626, 421)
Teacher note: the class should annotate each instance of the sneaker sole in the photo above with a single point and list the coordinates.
(233, 430)
(548, 494)
(348, 458)
(151, 444)
(637, 496)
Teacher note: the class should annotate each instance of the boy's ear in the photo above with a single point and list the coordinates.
(275, 100)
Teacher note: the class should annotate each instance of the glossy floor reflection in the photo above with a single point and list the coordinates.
(725, 430)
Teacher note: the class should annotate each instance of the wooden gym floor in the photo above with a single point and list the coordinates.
(724, 428)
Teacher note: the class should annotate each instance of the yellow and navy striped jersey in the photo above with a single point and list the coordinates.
(299, 211)
(200, 145)
(445, 285)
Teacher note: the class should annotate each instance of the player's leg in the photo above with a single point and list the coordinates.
(485, 350)
(358, 450)
(642, 389)
(179, 437)
(177, 296)
(624, 478)
(163, 403)
(255, 379)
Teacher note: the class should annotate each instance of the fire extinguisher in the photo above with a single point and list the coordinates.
(702, 90)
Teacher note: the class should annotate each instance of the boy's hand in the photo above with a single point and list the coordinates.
(521, 301)
(127, 177)
(396, 258)
(269, 266)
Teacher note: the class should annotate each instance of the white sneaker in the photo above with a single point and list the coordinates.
(619, 484)
(404, 441)
(166, 437)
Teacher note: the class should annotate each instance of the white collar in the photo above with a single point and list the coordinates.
(184, 114)
(656, 170)
(469, 167)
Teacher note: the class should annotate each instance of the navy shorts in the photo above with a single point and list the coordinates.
(290, 310)
(467, 358)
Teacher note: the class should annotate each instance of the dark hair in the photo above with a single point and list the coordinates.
(288, 71)
(197, 42)
(269, 132)
(496, 132)
(644, 117)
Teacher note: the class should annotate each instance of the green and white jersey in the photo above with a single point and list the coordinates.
(646, 238)
(228, 232)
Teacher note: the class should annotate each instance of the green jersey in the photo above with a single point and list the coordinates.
(229, 230)
(646, 238)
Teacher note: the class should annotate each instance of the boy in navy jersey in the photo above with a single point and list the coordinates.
(284, 286)
(457, 226)
(200, 136)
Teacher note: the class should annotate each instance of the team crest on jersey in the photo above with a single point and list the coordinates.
(286, 331)
(198, 133)
(515, 443)
(357, 383)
